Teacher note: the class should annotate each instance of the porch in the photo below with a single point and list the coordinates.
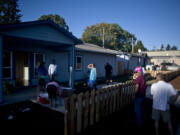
(23, 46)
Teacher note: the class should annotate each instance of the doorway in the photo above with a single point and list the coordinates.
(22, 68)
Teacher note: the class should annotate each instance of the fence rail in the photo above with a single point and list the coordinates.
(85, 109)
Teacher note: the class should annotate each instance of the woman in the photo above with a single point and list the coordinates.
(92, 76)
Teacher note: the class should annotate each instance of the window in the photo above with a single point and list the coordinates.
(78, 62)
(7, 65)
(38, 58)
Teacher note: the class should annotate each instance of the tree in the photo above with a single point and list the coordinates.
(139, 45)
(174, 47)
(9, 12)
(114, 36)
(162, 47)
(56, 19)
(168, 47)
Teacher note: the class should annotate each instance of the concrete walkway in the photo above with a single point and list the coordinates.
(20, 96)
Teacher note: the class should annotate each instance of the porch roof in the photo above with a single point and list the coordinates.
(45, 30)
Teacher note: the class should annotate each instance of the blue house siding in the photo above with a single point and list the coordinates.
(99, 59)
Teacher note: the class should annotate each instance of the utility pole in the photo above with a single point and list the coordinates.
(132, 45)
(103, 37)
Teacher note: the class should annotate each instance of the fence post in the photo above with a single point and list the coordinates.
(79, 112)
(86, 110)
(102, 103)
(97, 105)
(92, 108)
(72, 114)
(66, 116)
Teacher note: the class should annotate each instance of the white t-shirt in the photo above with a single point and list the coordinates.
(52, 69)
(161, 92)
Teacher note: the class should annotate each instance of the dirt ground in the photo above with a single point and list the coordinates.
(176, 83)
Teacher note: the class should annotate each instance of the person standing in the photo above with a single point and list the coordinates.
(42, 72)
(140, 93)
(161, 92)
(108, 70)
(52, 70)
(92, 76)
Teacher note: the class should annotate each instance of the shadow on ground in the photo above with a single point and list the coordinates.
(123, 122)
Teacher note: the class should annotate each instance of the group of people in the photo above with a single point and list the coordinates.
(48, 87)
(161, 92)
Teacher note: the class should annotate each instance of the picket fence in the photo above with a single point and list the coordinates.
(85, 109)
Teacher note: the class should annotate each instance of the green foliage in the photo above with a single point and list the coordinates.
(139, 45)
(56, 19)
(174, 47)
(168, 47)
(114, 36)
(8, 87)
(162, 47)
(9, 12)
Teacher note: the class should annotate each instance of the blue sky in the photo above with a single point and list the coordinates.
(154, 22)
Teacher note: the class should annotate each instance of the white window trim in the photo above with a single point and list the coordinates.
(35, 62)
(10, 65)
(81, 63)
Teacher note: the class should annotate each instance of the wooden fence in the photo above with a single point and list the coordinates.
(171, 74)
(85, 109)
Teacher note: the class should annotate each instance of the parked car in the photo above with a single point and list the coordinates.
(171, 66)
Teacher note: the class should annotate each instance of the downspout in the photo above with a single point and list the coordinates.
(71, 68)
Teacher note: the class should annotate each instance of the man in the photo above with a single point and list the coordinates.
(140, 93)
(108, 69)
(161, 92)
(92, 76)
(52, 70)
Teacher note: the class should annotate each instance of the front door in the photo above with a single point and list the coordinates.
(22, 68)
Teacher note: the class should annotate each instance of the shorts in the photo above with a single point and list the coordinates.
(52, 91)
(92, 84)
(166, 115)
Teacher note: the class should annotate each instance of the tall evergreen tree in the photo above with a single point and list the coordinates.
(162, 47)
(9, 12)
(168, 47)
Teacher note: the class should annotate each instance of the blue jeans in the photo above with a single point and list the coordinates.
(139, 109)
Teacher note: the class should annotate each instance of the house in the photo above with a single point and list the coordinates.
(24, 45)
(89, 53)
(158, 57)
(131, 60)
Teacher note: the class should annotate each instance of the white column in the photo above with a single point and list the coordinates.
(1, 51)
(71, 68)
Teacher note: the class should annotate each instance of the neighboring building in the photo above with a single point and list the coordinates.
(24, 45)
(89, 53)
(131, 61)
(158, 57)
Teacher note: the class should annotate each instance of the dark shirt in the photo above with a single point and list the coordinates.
(108, 69)
(142, 86)
(42, 71)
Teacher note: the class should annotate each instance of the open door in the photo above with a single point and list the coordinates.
(22, 68)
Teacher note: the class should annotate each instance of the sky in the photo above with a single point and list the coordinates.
(154, 22)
